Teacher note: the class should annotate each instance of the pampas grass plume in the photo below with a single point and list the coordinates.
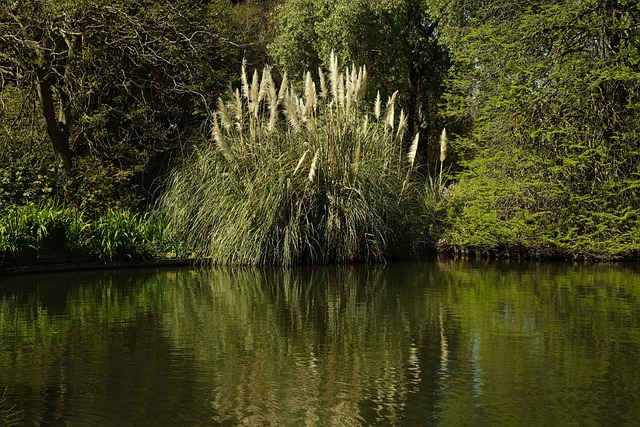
(245, 81)
(224, 115)
(219, 138)
(444, 141)
(314, 166)
(391, 109)
(413, 150)
(323, 84)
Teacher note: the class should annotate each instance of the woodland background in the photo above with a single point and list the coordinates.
(101, 101)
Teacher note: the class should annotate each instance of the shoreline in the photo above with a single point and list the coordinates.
(62, 267)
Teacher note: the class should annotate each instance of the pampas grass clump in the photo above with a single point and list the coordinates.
(298, 174)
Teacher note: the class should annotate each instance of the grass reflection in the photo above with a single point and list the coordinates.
(305, 345)
(9, 415)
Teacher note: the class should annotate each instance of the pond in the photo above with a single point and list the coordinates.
(443, 343)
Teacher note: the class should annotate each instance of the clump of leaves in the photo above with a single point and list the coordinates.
(25, 229)
(122, 235)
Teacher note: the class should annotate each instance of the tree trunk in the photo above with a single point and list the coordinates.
(56, 129)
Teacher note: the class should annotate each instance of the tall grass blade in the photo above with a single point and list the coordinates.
(300, 162)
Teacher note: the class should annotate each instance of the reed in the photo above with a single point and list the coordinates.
(444, 142)
(295, 178)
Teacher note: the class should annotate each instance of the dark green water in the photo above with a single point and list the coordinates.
(437, 343)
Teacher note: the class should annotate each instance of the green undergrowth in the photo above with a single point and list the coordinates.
(35, 232)
(309, 178)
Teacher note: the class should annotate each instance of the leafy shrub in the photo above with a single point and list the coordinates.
(290, 179)
(122, 235)
(515, 203)
(26, 231)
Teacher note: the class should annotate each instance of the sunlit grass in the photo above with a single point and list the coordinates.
(27, 231)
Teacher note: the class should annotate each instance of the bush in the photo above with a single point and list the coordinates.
(299, 179)
(26, 229)
(517, 204)
(121, 235)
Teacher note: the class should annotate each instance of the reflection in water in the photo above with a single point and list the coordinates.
(446, 343)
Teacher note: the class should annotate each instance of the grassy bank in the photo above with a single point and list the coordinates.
(33, 233)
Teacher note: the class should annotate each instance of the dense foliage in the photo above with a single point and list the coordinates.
(552, 90)
(105, 96)
(56, 234)
(397, 40)
(100, 102)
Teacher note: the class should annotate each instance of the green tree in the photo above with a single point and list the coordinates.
(121, 88)
(552, 91)
(252, 22)
(397, 40)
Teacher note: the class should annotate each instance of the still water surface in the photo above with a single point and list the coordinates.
(443, 343)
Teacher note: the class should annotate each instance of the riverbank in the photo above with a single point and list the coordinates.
(68, 266)
(54, 237)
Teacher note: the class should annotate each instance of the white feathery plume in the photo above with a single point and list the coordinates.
(362, 81)
(333, 76)
(314, 166)
(255, 89)
(341, 89)
(220, 141)
(411, 156)
(352, 85)
(224, 115)
(291, 112)
(323, 84)
(390, 114)
(377, 107)
(245, 81)
(310, 94)
(283, 87)
(402, 124)
(444, 141)
(264, 84)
